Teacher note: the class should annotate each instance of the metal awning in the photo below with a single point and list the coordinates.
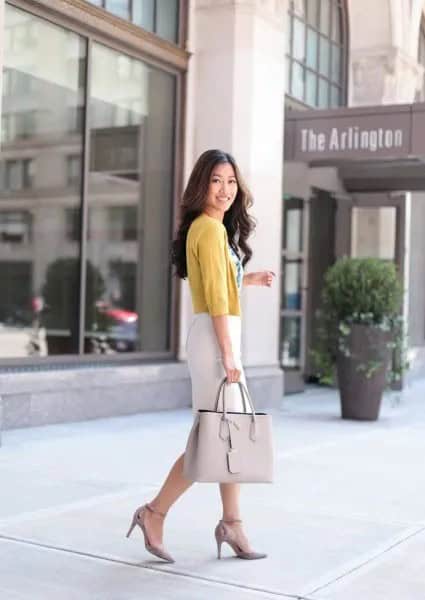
(376, 148)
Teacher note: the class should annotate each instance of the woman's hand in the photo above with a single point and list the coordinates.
(259, 278)
(232, 373)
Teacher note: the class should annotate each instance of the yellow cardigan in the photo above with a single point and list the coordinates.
(210, 269)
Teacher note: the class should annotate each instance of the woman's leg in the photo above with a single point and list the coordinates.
(172, 488)
(230, 493)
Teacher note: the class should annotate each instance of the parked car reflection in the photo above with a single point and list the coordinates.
(118, 329)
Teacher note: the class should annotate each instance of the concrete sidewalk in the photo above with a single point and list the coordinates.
(345, 519)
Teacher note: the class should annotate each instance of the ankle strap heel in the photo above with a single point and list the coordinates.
(139, 519)
(156, 512)
(230, 536)
(230, 521)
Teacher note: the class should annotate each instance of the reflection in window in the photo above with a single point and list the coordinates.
(17, 125)
(17, 174)
(130, 194)
(72, 224)
(15, 83)
(75, 118)
(293, 261)
(292, 284)
(293, 225)
(144, 14)
(121, 8)
(15, 227)
(315, 51)
(35, 141)
(123, 223)
(158, 16)
(73, 170)
(291, 342)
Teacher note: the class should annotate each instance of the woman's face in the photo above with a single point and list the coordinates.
(222, 190)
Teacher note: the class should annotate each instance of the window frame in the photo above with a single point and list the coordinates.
(97, 25)
(420, 96)
(291, 61)
(130, 3)
(101, 26)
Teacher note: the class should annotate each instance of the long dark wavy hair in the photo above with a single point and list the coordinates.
(239, 224)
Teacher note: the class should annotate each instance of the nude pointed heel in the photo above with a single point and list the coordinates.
(139, 519)
(132, 526)
(224, 533)
(219, 542)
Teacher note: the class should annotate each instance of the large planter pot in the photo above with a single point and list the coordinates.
(361, 396)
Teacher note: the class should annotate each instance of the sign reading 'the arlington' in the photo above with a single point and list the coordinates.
(358, 133)
(350, 138)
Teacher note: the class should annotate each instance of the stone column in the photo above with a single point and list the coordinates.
(236, 95)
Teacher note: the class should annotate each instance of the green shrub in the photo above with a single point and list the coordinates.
(365, 291)
(362, 289)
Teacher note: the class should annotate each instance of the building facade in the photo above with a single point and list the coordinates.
(352, 178)
(105, 107)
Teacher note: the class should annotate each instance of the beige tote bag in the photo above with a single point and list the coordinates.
(230, 447)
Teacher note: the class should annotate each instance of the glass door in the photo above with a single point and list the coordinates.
(293, 292)
(378, 231)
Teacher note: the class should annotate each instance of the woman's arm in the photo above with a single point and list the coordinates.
(259, 278)
(212, 259)
(221, 328)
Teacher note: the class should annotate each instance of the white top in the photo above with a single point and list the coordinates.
(239, 267)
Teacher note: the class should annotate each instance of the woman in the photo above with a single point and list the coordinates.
(214, 228)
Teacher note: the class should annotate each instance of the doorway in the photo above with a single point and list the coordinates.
(321, 257)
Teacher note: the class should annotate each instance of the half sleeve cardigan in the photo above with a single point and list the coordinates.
(211, 271)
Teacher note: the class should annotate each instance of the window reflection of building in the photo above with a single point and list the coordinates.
(158, 16)
(38, 93)
(17, 174)
(122, 223)
(15, 227)
(72, 224)
(73, 170)
(131, 141)
(129, 193)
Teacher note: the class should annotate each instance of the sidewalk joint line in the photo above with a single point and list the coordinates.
(368, 561)
(149, 567)
(59, 509)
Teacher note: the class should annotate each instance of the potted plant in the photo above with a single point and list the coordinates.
(361, 333)
(61, 293)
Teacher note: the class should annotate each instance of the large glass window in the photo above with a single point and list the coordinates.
(316, 52)
(130, 189)
(113, 232)
(293, 264)
(34, 192)
(158, 16)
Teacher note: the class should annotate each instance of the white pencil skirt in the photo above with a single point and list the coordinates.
(205, 364)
